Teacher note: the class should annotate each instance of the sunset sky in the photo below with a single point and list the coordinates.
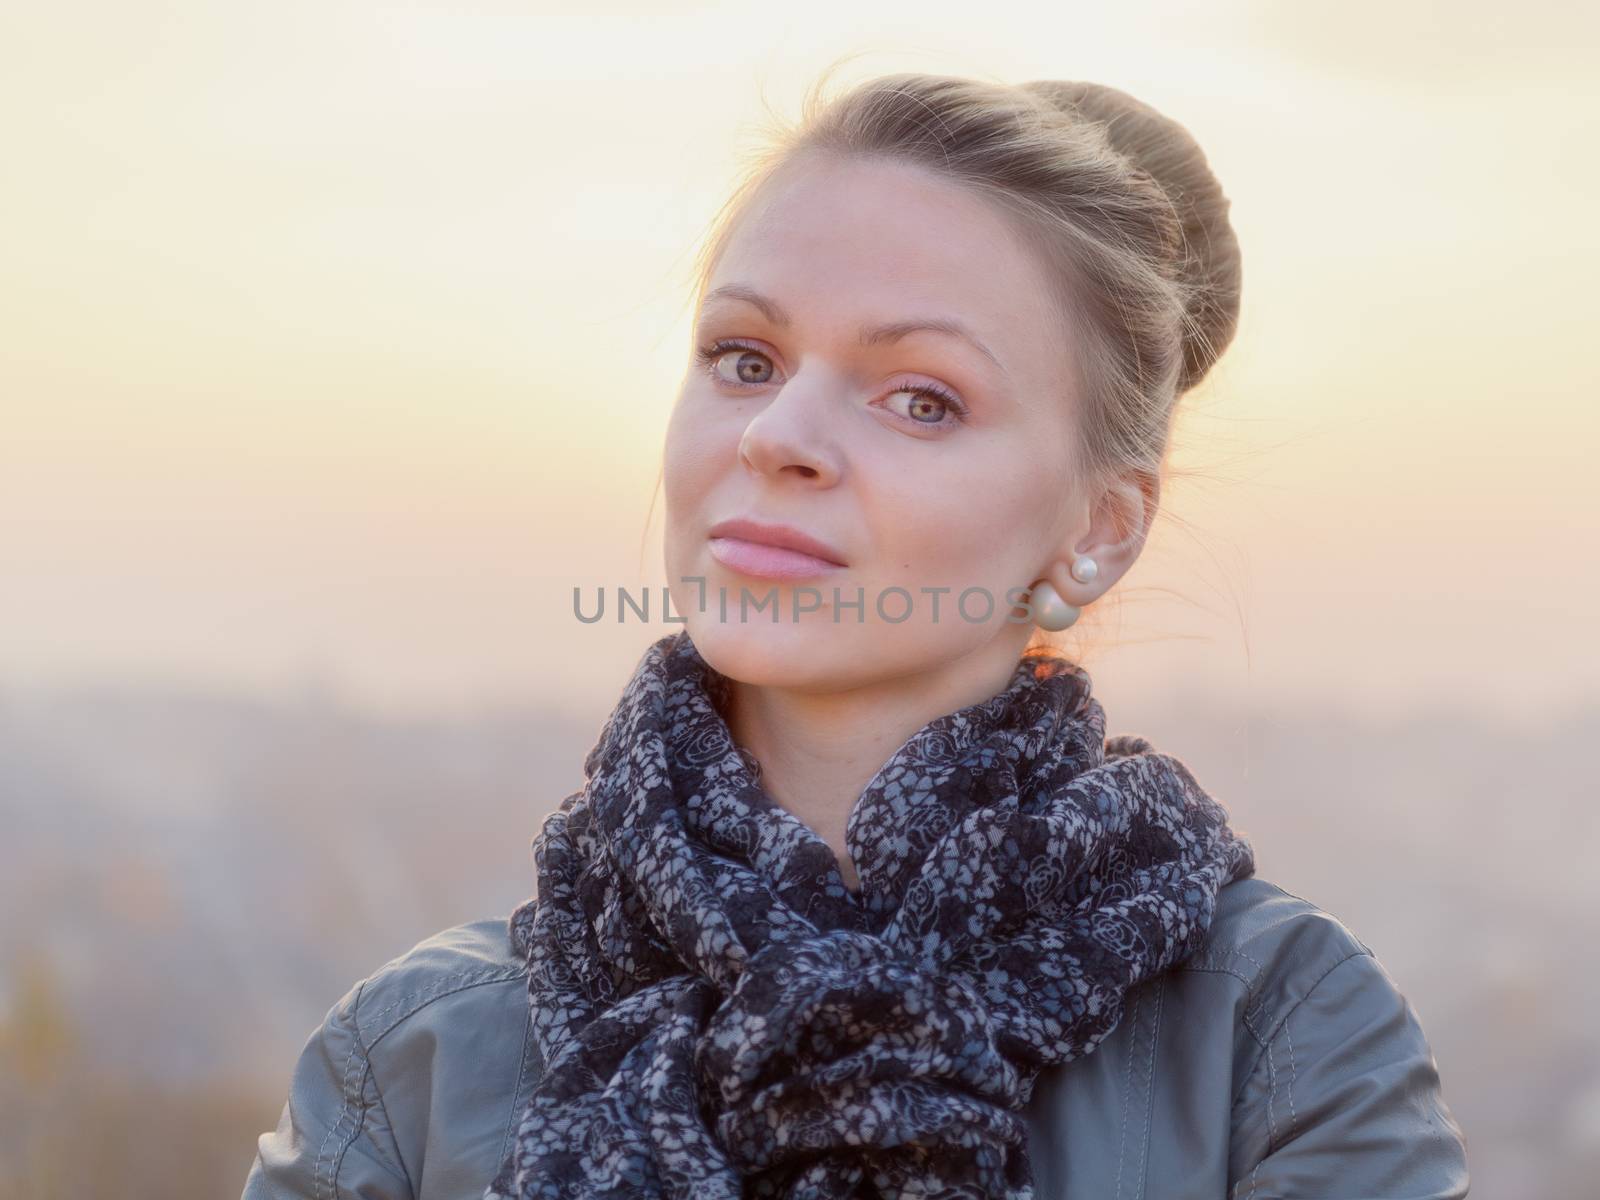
(339, 338)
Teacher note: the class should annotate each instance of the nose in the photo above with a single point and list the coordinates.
(792, 436)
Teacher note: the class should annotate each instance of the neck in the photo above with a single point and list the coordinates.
(819, 750)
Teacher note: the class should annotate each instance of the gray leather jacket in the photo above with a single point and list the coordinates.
(1278, 1061)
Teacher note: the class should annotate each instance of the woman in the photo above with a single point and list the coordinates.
(857, 898)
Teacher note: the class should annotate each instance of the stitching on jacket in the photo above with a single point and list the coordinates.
(473, 978)
(360, 1123)
(1252, 1010)
(1272, 1131)
(1150, 1090)
(344, 1092)
(516, 1092)
(1272, 1096)
(1260, 970)
(1255, 1177)
(1127, 1091)
(439, 988)
(1214, 960)
(1290, 1037)
(1266, 1039)
(1317, 983)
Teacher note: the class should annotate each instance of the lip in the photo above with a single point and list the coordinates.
(771, 551)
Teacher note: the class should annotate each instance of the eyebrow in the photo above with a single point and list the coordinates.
(871, 335)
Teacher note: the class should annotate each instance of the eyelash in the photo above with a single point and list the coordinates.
(708, 356)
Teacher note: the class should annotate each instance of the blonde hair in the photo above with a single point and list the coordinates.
(1116, 198)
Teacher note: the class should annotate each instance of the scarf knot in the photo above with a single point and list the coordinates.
(720, 1017)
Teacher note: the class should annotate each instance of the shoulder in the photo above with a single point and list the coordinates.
(455, 962)
(409, 1088)
(1280, 947)
(1279, 1052)
(446, 1030)
(1331, 1060)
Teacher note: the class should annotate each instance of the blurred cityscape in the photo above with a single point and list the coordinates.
(189, 881)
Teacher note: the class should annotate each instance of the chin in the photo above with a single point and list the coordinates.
(783, 654)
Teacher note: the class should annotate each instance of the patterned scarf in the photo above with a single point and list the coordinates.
(720, 1017)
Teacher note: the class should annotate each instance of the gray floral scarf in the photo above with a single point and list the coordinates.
(720, 1017)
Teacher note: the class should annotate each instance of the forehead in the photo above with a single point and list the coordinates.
(844, 241)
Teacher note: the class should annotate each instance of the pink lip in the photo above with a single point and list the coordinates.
(771, 551)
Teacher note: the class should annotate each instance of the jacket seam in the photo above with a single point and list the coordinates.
(377, 1090)
(1266, 1042)
(1278, 1024)
(359, 1050)
(1272, 1103)
(439, 989)
(1288, 1036)
(1127, 1092)
(347, 1095)
(362, 1109)
(1214, 960)
(344, 1096)
(1150, 1091)
(516, 1092)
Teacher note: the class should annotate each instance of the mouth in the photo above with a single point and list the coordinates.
(772, 551)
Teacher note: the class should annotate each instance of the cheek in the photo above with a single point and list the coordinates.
(976, 524)
(700, 449)
(690, 453)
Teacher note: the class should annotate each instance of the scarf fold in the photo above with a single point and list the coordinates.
(720, 1017)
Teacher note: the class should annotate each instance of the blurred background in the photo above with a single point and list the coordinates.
(337, 341)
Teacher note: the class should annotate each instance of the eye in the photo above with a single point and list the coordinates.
(751, 367)
(927, 405)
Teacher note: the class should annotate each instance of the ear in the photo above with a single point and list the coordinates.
(1119, 523)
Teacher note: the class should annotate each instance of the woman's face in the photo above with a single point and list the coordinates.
(923, 459)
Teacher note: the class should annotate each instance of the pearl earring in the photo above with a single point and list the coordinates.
(1050, 609)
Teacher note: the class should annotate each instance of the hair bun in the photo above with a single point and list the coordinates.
(1208, 263)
